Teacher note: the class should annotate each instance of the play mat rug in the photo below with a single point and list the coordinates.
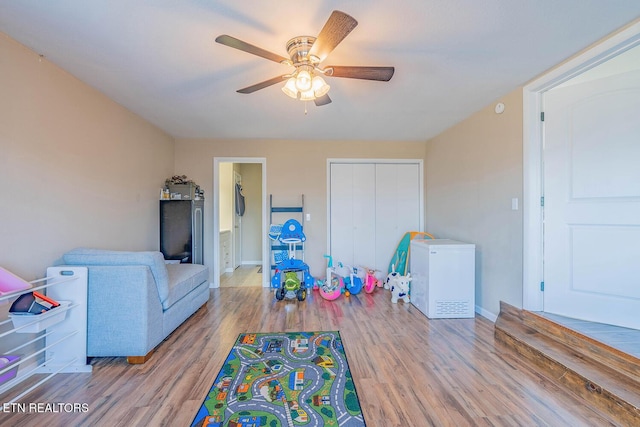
(283, 379)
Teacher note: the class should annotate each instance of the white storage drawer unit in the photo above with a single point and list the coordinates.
(443, 278)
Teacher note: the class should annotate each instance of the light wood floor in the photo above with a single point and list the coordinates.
(624, 339)
(243, 276)
(408, 370)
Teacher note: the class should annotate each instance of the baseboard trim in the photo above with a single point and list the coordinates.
(487, 314)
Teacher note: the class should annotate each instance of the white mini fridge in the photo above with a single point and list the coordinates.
(443, 278)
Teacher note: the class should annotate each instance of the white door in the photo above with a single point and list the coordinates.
(352, 213)
(397, 208)
(592, 200)
(237, 225)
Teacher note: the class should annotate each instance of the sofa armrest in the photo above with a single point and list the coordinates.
(124, 311)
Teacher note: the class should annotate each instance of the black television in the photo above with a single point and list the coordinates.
(176, 230)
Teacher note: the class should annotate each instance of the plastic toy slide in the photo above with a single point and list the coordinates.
(401, 257)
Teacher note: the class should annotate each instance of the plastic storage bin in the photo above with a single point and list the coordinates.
(7, 360)
(10, 283)
(40, 322)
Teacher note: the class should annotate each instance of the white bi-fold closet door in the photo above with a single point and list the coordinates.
(372, 204)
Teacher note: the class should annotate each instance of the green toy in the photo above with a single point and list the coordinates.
(291, 281)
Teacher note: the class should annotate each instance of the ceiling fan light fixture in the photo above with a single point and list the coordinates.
(319, 86)
(290, 88)
(307, 95)
(303, 80)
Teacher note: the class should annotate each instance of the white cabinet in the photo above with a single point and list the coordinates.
(443, 278)
(372, 204)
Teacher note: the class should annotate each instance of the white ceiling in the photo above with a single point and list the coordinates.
(158, 58)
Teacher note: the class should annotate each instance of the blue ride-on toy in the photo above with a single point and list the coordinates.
(292, 277)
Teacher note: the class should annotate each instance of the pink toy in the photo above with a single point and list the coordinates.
(333, 284)
(371, 281)
(379, 277)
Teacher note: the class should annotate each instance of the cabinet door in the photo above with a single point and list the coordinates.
(352, 219)
(364, 223)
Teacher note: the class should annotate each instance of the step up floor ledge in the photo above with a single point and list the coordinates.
(622, 406)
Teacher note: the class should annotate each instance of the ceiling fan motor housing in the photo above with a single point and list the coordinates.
(298, 49)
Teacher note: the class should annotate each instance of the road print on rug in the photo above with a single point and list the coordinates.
(283, 379)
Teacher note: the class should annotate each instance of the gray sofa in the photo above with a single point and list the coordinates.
(135, 300)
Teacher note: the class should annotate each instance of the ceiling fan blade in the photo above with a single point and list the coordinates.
(337, 27)
(249, 48)
(366, 73)
(323, 100)
(261, 85)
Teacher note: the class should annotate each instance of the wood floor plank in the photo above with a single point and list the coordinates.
(408, 370)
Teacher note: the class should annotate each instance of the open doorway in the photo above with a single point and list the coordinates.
(239, 222)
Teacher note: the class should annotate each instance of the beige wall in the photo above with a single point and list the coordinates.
(76, 168)
(473, 171)
(293, 168)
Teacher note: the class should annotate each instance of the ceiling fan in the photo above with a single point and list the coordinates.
(305, 55)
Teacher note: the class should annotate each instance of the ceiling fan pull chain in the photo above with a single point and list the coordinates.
(305, 108)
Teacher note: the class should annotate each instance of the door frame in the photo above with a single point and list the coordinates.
(533, 142)
(216, 216)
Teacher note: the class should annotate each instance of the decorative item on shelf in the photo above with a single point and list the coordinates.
(198, 193)
(180, 187)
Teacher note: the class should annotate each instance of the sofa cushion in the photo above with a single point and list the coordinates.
(154, 260)
(183, 278)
